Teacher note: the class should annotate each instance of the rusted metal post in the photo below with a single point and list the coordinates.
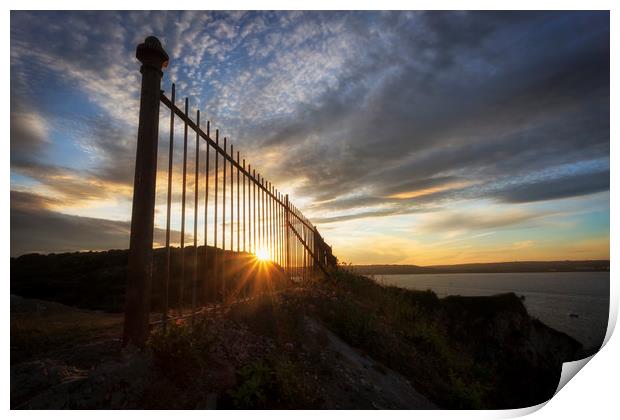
(272, 248)
(250, 206)
(262, 216)
(216, 276)
(254, 211)
(206, 264)
(183, 204)
(238, 206)
(263, 213)
(244, 206)
(223, 279)
(287, 220)
(166, 288)
(196, 170)
(139, 271)
(232, 195)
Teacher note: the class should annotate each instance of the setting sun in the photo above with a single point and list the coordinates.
(262, 255)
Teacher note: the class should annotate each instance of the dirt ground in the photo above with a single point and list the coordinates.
(62, 357)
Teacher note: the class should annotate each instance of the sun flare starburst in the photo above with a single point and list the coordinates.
(262, 255)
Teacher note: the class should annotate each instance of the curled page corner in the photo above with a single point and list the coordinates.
(569, 370)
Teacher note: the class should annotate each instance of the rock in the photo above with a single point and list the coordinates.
(28, 379)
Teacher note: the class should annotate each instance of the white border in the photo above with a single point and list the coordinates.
(592, 394)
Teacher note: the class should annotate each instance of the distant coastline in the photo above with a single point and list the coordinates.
(501, 267)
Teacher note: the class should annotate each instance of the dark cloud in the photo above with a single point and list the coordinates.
(37, 228)
(475, 96)
(28, 137)
(34, 228)
(569, 186)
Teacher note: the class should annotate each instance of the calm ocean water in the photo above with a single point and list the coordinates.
(550, 297)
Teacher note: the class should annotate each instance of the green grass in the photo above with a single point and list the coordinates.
(179, 349)
(270, 383)
(442, 345)
(448, 348)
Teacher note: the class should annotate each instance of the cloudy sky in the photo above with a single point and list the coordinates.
(424, 138)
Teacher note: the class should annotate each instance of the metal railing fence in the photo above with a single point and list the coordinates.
(253, 237)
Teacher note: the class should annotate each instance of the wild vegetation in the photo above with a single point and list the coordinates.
(97, 280)
(346, 342)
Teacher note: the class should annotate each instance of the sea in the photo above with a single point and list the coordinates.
(575, 303)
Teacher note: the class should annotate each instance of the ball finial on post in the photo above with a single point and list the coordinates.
(150, 53)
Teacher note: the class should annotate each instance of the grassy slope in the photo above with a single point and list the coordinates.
(458, 352)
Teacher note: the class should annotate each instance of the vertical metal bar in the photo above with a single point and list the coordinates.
(299, 261)
(269, 236)
(305, 255)
(283, 229)
(300, 247)
(295, 239)
(206, 265)
(267, 221)
(273, 225)
(258, 216)
(258, 220)
(305, 249)
(215, 256)
(266, 217)
(276, 227)
(182, 278)
(279, 207)
(262, 210)
(254, 208)
(232, 208)
(238, 213)
(269, 243)
(250, 249)
(244, 205)
(279, 213)
(259, 244)
(288, 235)
(196, 170)
(224, 165)
(168, 207)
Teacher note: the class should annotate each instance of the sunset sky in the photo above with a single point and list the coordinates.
(406, 138)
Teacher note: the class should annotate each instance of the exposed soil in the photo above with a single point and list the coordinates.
(89, 369)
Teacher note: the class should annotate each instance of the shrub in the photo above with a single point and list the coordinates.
(275, 382)
(180, 349)
(256, 383)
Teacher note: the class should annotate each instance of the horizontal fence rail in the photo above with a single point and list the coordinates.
(252, 239)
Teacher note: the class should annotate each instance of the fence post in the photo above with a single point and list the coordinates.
(288, 260)
(137, 302)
